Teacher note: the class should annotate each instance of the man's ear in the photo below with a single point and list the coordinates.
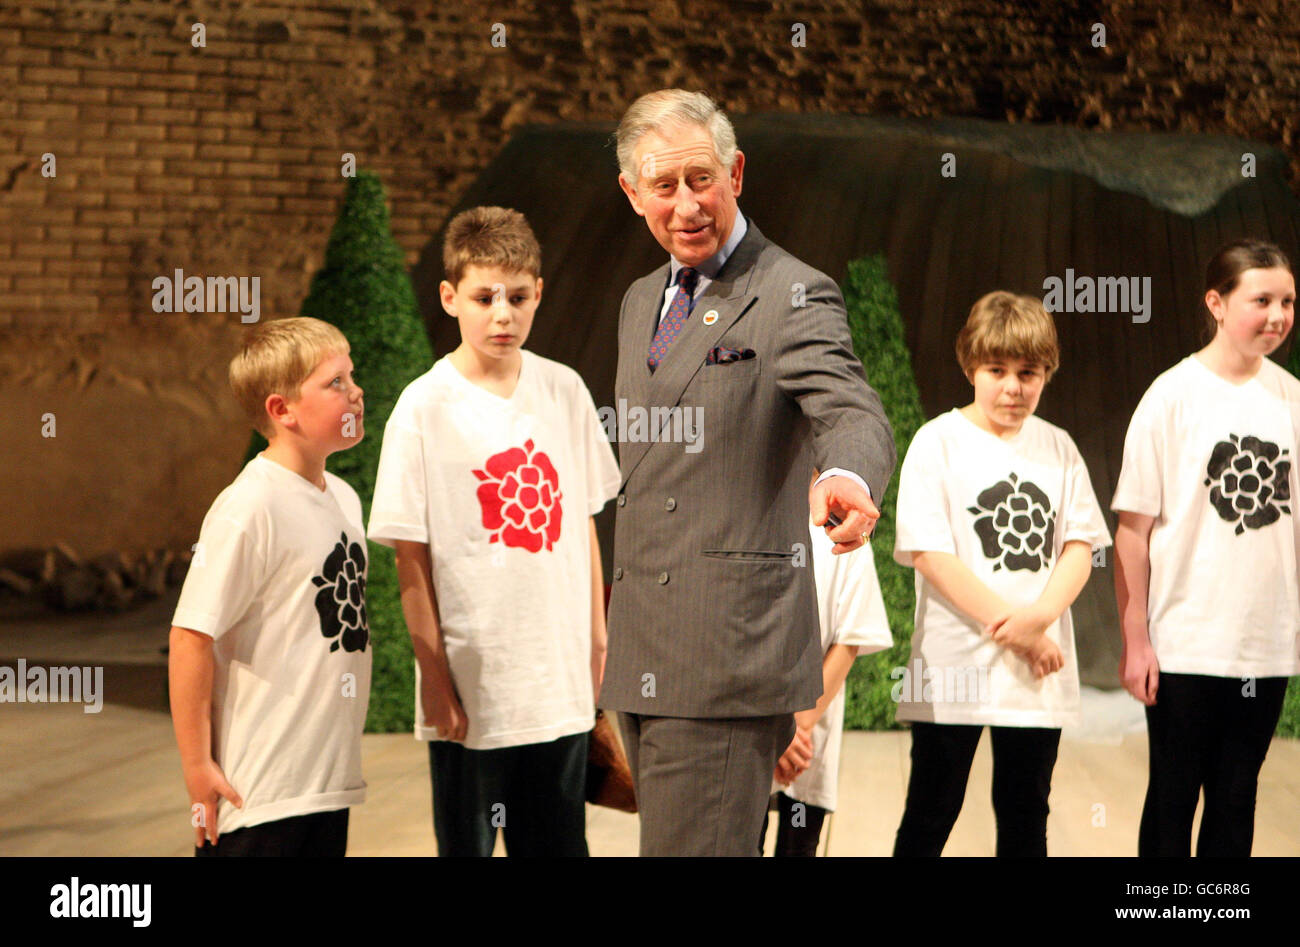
(632, 196)
(447, 296)
(737, 174)
(539, 290)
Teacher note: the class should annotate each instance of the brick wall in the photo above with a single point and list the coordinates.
(225, 159)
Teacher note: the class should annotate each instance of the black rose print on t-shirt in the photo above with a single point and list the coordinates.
(1015, 525)
(341, 601)
(1249, 482)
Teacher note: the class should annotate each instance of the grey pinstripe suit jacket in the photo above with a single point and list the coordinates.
(711, 614)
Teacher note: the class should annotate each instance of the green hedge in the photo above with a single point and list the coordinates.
(364, 289)
(1289, 724)
(876, 326)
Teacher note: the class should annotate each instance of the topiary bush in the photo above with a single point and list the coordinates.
(876, 326)
(363, 288)
(1289, 723)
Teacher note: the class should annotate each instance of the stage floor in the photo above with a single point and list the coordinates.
(73, 783)
(110, 784)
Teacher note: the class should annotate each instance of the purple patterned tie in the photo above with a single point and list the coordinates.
(671, 324)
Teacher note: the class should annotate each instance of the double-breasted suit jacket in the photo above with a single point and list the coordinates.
(712, 610)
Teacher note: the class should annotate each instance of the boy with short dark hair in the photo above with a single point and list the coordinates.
(493, 463)
(269, 661)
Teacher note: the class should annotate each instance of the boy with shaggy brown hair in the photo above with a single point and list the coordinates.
(493, 464)
(998, 517)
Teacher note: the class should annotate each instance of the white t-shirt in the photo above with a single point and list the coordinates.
(1006, 509)
(851, 611)
(501, 489)
(278, 581)
(1214, 463)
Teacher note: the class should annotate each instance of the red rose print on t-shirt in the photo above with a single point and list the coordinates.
(520, 497)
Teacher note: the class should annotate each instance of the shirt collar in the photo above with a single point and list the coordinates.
(710, 267)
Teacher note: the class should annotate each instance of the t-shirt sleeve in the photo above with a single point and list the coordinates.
(923, 523)
(1139, 487)
(857, 606)
(603, 477)
(1084, 520)
(398, 509)
(225, 574)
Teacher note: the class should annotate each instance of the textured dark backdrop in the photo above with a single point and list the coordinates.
(1023, 206)
(225, 161)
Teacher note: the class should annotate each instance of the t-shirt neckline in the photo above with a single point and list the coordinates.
(297, 477)
(1223, 381)
(519, 381)
(1015, 438)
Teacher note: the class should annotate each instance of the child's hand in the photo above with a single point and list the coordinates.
(442, 711)
(1044, 657)
(796, 758)
(806, 719)
(1019, 629)
(1139, 672)
(207, 785)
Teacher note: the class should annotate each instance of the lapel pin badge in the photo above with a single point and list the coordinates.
(710, 317)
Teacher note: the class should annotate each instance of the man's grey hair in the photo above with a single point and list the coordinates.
(656, 111)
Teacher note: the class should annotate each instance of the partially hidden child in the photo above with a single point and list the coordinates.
(853, 622)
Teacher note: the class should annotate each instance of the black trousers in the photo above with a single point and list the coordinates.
(316, 835)
(1208, 733)
(535, 793)
(798, 831)
(1023, 758)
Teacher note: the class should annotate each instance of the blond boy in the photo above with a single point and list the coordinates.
(270, 659)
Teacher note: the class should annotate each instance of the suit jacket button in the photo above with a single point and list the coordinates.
(670, 504)
(663, 578)
(618, 573)
(622, 500)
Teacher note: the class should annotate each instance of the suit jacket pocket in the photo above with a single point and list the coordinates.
(749, 590)
(750, 555)
(723, 372)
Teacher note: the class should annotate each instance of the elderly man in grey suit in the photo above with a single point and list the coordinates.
(713, 634)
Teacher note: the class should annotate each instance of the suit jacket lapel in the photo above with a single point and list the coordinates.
(729, 296)
(638, 333)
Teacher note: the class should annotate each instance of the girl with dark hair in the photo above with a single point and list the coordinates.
(1206, 557)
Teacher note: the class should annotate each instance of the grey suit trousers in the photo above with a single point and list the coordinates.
(703, 784)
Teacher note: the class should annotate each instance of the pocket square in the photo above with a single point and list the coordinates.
(721, 355)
